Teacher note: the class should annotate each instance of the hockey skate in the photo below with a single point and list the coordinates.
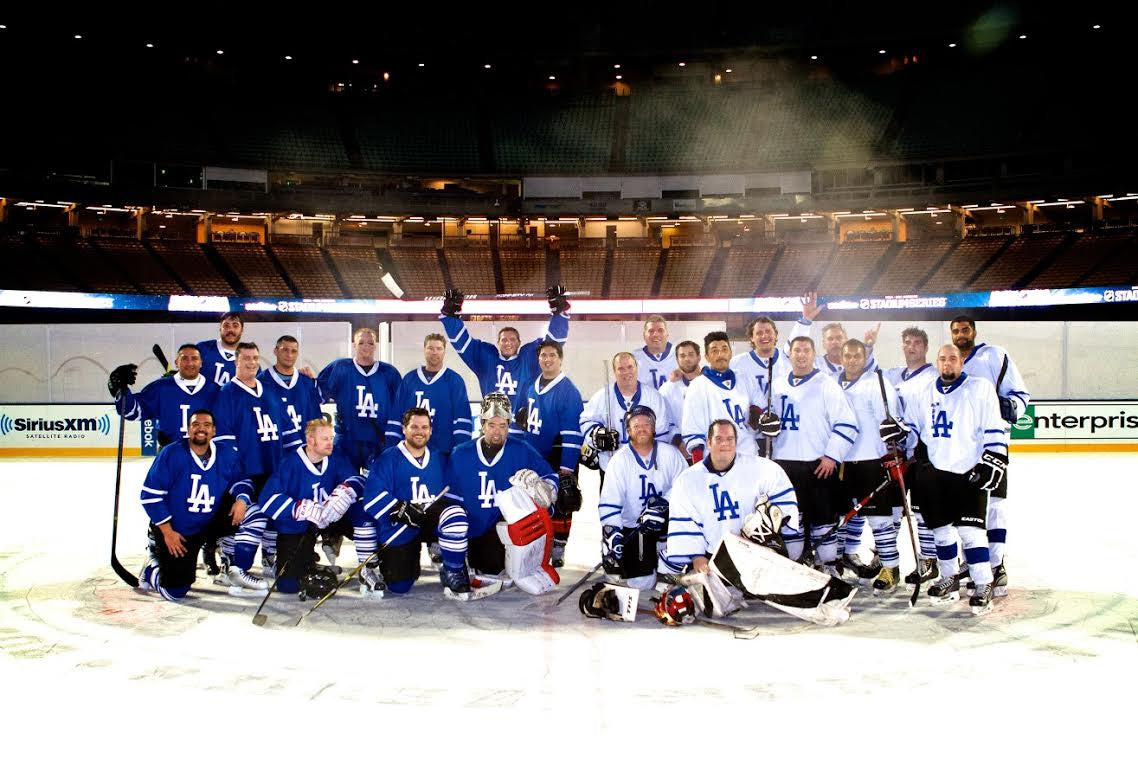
(946, 590)
(372, 586)
(330, 545)
(853, 563)
(999, 581)
(459, 586)
(244, 585)
(209, 559)
(981, 601)
(928, 571)
(886, 581)
(435, 553)
(269, 566)
(557, 557)
(222, 576)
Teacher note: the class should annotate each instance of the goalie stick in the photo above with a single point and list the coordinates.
(905, 506)
(577, 585)
(363, 563)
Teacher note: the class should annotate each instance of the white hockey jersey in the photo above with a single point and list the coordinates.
(706, 504)
(630, 480)
(864, 397)
(754, 367)
(673, 394)
(909, 383)
(610, 412)
(651, 370)
(714, 395)
(957, 422)
(986, 361)
(816, 418)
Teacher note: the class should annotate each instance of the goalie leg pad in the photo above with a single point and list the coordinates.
(712, 597)
(528, 542)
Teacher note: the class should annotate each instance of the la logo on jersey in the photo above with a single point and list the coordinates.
(424, 403)
(291, 411)
(319, 493)
(941, 426)
(221, 374)
(365, 404)
(724, 504)
(789, 417)
(200, 501)
(185, 407)
(658, 379)
(533, 418)
(266, 430)
(506, 383)
(734, 412)
(647, 490)
(487, 491)
(420, 493)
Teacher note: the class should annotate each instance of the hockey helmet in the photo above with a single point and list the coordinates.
(496, 405)
(675, 607)
(318, 582)
(639, 410)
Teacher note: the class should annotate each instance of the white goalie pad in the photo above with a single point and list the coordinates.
(784, 584)
(528, 539)
(712, 597)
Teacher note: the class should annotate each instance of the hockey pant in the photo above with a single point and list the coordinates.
(527, 537)
(789, 586)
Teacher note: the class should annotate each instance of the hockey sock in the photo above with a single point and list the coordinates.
(225, 547)
(288, 585)
(794, 542)
(248, 539)
(402, 586)
(170, 594)
(997, 529)
(269, 542)
(827, 551)
(885, 536)
(851, 534)
(925, 538)
(975, 541)
(453, 526)
(946, 553)
(366, 540)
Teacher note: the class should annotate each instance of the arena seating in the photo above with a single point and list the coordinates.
(962, 264)
(582, 264)
(799, 268)
(406, 139)
(471, 266)
(634, 267)
(189, 262)
(84, 264)
(307, 269)
(685, 270)
(138, 264)
(25, 267)
(252, 265)
(358, 268)
(574, 135)
(286, 140)
(1118, 267)
(1021, 257)
(851, 266)
(1084, 256)
(745, 268)
(523, 267)
(417, 267)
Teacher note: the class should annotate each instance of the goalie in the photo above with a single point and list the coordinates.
(734, 518)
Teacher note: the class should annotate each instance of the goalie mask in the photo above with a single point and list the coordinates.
(496, 405)
(675, 607)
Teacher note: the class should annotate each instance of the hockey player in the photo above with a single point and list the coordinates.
(995, 365)
(485, 468)
(655, 361)
(833, 338)
(818, 430)
(219, 356)
(864, 470)
(602, 421)
(441, 392)
(363, 389)
(909, 380)
(296, 388)
(549, 413)
(765, 357)
(183, 496)
(310, 487)
(676, 388)
(509, 365)
(718, 393)
(398, 511)
(958, 418)
(634, 501)
(167, 399)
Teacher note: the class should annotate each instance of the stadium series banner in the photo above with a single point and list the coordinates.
(1077, 426)
(81, 429)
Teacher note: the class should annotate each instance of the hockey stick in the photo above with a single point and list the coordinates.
(576, 586)
(845, 518)
(768, 443)
(259, 619)
(904, 498)
(116, 565)
(156, 349)
(364, 563)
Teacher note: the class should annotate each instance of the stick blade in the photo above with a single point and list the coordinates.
(123, 573)
(260, 619)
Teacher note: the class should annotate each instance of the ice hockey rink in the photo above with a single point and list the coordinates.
(87, 661)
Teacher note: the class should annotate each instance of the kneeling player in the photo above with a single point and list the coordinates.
(634, 500)
(184, 483)
(497, 477)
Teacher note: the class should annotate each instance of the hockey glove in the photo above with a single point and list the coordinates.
(121, 378)
(654, 519)
(411, 514)
(612, 549)
(604, 438)
(589, 458)
(568, 496)
(306, 510)
(558, 303)
(338, 503)
(1008, 410)
(769, 424)
(753, 415)
(989, 473)
(521, 417)
(452, 302)
(893, 431)
(895, 467)
(540, 490)
(764, 526)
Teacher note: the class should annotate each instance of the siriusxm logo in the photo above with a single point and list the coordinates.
(102, 424)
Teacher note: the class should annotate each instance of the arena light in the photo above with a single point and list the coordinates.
(682, 64)
(952, 44)
(1125, 197)
(596, 218)
(288, 57)
(616, 65)
(996, 207)
(931, 211)
(813, 57)
(103, 209)
(619, 77)
(78, 36)
(1068, 203)
(41, 204)
(220, 52)
(150, 44)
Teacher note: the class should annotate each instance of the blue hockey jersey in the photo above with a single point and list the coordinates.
(553, 416)
(219, 364)
(474, 481)
(184, 490)
(170, 400)
(297, 478)
(444, 396)
(300, 400)
(396, 475)
(363, 404)
(251, 420)
(495, 372)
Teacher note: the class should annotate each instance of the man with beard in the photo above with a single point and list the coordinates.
(655, 360)
(167, 399)
(676, 388)
(219, 356)
(441, 392)
(718, 393)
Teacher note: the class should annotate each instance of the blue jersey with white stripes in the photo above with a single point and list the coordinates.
(395, 476)
(444, 396)
(296, 478)
(219, 364)
(475, 480)
(300, 400)
(553, 416)
(186, 490)
(170, 400)
(363, 399)
(251, 420)
(495, 372)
